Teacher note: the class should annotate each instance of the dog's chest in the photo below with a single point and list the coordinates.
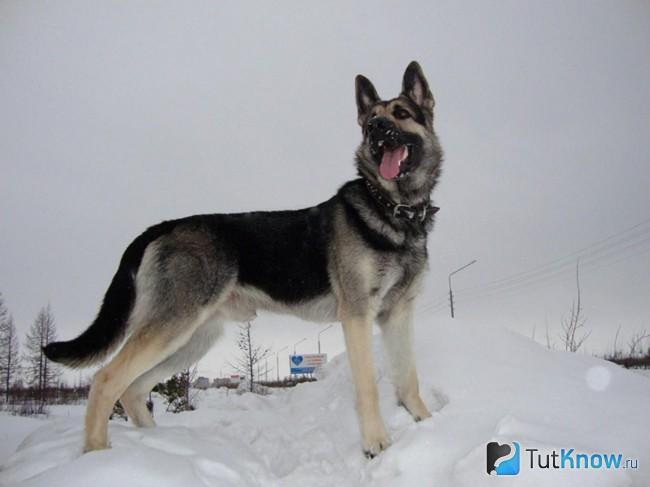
(398, 273)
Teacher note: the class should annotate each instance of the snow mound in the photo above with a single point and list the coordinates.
(481, 385)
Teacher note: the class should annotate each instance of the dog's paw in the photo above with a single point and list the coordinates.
(372, 448)
(417, 417)
(415, 406)
(421, 414)
(90, 447)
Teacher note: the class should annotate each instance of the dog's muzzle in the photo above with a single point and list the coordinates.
(388, 148)
(382, 134)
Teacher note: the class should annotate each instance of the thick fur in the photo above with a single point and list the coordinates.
(109, 328)
(349, 259)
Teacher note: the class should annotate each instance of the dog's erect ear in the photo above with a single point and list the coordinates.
(366, 96)
(415, 86)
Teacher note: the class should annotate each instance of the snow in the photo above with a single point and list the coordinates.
(482, 384)
(13, 429)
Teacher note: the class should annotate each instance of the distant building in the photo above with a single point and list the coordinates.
(230, 381)
(201, 383)
(221, 382)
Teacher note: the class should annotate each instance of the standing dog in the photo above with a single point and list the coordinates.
(356, 258)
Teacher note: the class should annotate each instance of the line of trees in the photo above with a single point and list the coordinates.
(31, 369)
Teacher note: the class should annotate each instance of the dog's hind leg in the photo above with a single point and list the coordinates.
(179, 286)
(134, 398)
(397, 335)
(146, 348)
(134, 401)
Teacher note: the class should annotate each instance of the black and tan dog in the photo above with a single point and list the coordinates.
(357, 258)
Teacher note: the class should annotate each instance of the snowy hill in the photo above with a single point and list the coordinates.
(481, 384)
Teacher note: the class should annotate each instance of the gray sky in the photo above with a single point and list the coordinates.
(117, 115)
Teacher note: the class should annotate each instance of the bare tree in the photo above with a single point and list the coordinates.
(616, 353)
(549, 342)
(4, 312)
(635, 349)
(189, 376)
(41, 373)
(573, 335)
(250, 356)
(9, 359)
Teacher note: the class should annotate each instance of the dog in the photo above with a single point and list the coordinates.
(357, 258)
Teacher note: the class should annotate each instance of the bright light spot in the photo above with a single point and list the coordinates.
(598, 378)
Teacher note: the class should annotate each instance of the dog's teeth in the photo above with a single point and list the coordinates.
(406, 154)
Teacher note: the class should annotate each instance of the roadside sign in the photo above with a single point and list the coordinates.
(307, 363)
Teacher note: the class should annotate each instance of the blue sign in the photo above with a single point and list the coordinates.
(307, 363)
(302, 370)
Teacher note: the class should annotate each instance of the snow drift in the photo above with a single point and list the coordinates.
(481, 384)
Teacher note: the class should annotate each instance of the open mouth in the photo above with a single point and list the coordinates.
(394, 160)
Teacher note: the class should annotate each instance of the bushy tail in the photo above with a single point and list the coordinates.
(110, 326)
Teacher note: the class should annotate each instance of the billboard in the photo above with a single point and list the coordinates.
(307, 363)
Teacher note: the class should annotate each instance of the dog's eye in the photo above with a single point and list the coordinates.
(400, 113)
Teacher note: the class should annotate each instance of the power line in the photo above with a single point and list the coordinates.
(593, 256)
(433, 306)
(588, 253)
(553, 274)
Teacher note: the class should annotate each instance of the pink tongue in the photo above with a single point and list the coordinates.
(389, 167)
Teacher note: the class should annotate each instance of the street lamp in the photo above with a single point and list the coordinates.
(319, 333)
(277, 361)
(451, 295)
(294, 345)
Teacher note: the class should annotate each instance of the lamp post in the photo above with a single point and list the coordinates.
(277, 361)
(451, 294)
(294, 345)
(319, 333)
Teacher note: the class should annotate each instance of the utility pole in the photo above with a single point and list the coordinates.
(277, 361)
(319, 333)
(294, 345)
(451, 294)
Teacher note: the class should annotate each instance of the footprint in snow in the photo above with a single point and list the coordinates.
(440, 400)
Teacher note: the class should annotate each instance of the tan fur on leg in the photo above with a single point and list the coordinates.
(140, 353)
(397, 334)
(357, 340)
(134, 401)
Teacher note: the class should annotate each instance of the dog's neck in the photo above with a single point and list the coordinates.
(405, 191)
(416, 213)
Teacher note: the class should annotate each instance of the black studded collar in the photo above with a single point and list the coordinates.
(417, 213)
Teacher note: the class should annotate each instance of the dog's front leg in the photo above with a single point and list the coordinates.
(397, 334)
(358, 334)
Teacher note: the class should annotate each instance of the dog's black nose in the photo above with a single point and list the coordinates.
(380, 126)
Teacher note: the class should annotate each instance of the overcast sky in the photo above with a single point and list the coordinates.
(117, 115)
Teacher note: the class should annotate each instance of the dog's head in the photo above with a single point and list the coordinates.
(399, 151)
